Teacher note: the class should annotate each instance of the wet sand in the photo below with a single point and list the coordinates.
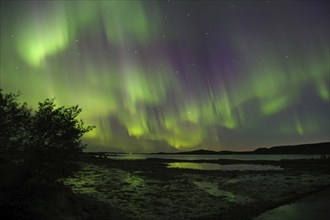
(315, 206)
(149, 190)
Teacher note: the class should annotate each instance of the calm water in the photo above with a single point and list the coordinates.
(227, 167)
(211, 157)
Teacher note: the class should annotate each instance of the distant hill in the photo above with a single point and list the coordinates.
(317, 148)
(199, 152)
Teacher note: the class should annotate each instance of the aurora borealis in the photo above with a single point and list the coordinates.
(175, 75)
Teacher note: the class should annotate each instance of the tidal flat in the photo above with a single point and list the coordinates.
(148, 189)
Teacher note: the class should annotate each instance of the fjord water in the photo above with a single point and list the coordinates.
(275, 157)
(227, 167)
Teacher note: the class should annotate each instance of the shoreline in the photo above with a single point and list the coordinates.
(313, 205)
(146, 189)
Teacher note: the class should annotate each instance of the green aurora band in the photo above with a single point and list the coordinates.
(114, 60)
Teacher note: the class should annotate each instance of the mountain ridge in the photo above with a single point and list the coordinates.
(315, 148)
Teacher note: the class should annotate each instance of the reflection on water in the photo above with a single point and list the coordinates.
(211, 157)
(212, 189)
(195, 166)
(227, 167)
(315, 206)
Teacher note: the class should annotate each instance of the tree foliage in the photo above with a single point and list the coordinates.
(44, 143)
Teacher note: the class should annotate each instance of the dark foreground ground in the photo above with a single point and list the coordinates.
(147, 189)
(314, 206)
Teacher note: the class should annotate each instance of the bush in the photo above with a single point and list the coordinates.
(43, 144)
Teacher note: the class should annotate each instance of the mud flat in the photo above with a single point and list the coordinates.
(315, 206)
(148, 189)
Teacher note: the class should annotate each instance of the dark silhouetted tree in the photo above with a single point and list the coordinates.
(15, 120)
(43, 144)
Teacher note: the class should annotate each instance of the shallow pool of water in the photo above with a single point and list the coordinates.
(276, 157)
(227, 167)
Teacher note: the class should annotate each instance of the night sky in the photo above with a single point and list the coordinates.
(175, 75)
